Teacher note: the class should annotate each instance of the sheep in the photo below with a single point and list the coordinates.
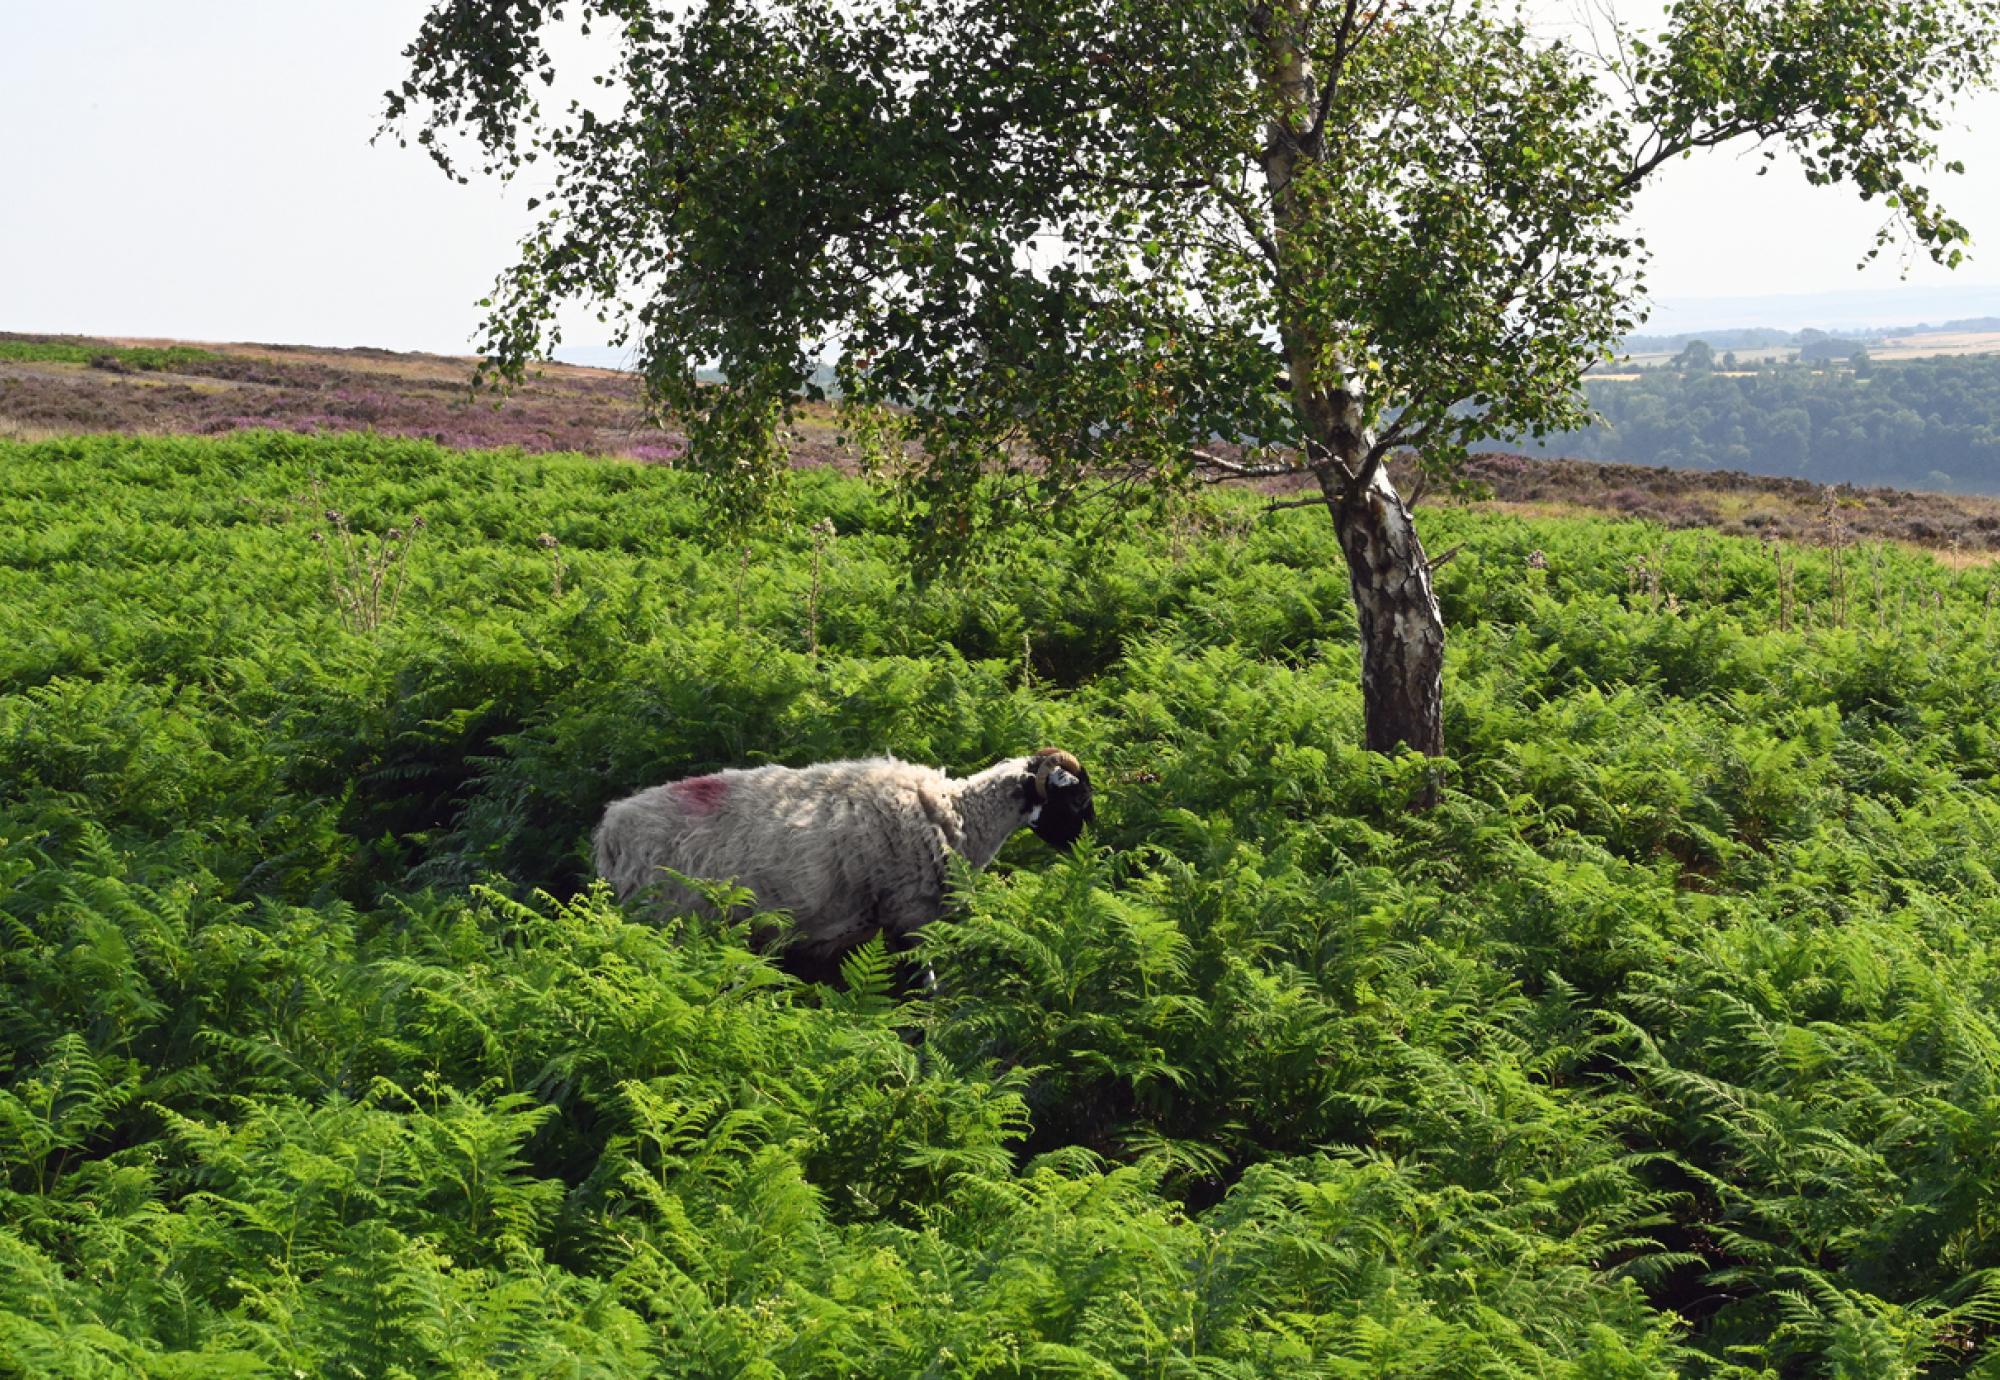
(849, 848)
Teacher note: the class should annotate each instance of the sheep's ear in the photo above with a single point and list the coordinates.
(1059, 777)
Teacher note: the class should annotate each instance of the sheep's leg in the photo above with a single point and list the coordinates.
(821, 964)
(811, 965)
(911, 980)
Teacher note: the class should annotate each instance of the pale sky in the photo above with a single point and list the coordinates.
(203, 171)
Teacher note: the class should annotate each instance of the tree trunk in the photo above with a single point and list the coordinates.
(1402, 629)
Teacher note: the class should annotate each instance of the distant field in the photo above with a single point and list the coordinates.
(1759, 354)
(1938, 343)
(1916, 345)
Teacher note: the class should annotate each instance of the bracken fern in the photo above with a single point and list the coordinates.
(1666, 1044)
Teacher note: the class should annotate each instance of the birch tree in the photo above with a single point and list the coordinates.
(1068, 244)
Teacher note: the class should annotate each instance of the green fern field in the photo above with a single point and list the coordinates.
(1669, 1044)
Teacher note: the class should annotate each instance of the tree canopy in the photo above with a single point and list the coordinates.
(1050, 227)
(1151, 241)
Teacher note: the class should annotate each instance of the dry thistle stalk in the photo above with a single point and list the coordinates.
(1776, 547)
(1881, 604)
(360, 574)
(1642, 580)
(1836, 536)
(822, 534)
(547, 541)
(1179, 529)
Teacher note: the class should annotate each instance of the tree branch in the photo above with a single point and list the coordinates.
(1321, 459)
(1343, 41)
(1642, 168)
(1236, 469)
(1362, 478)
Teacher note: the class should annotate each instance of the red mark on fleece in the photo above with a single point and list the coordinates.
(701, 795)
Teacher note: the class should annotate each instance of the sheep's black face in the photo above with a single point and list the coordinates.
(1059, 800)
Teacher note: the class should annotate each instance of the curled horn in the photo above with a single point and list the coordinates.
(1047, 760)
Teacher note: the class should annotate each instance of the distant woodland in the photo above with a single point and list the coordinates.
(1923, 424)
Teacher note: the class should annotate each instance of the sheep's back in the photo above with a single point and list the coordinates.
(844, 846)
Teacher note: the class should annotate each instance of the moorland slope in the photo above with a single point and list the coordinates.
(63, 385)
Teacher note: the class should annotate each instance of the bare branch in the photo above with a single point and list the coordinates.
(1321, 459)
(1236, 469)
(1343, 44)
(1664, 148)
(1365, 476)
(1399, 436)
(1253, 225)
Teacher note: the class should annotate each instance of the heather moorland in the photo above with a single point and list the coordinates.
(58, 385)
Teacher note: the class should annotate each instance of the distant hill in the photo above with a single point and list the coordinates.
(1764, 337)
(1741, 338)
(55, 385)
(1850, 311)
(1969, 323)
(1738, 504)
(62, 384)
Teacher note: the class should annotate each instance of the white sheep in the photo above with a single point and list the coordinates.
(848, 848)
